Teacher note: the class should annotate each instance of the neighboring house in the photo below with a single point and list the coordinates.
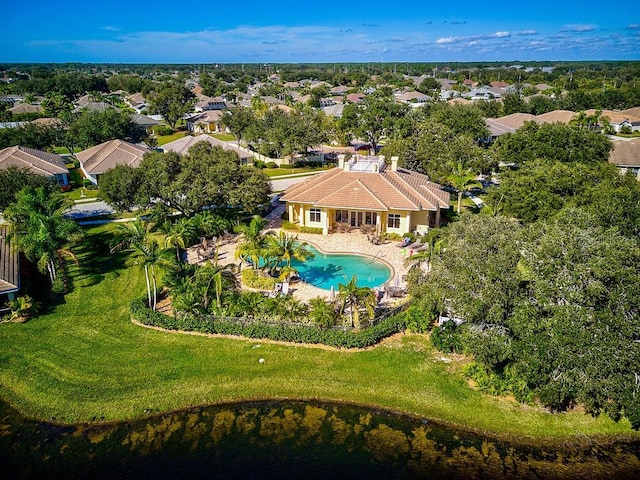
(618, 120)
(339, 90)
(25, 108)
(96, 160)
(365, 193)
(211, 103)
(93, 107)
(182, 146)
(334, 110)
(516, 120)
(291, 85)
(206, 122)
(41, 163)
(561, 116)
(9, 270)
(496, 128)
(625, 154)
(413, 98)
(137, 102)
(145, 122)
(355, 97)
(326, 102)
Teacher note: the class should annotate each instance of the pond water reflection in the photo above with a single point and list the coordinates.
(290, 440)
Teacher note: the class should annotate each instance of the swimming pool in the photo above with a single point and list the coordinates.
(327, 270)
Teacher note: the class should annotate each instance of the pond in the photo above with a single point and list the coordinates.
(276, 440)
(327, 270)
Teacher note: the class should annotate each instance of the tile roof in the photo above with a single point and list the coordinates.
(634, 112)
(9, 264)
(37, 161)
(562, 116)
(516, 120)
(107, 155)
(182, 145)
(384, 190)
(615, 117)
(625, 153)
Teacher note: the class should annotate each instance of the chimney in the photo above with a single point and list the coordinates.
(394, 164)
(341, 162)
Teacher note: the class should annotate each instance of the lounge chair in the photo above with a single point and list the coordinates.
(285, 289)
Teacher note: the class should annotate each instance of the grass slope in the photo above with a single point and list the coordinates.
(84, 360)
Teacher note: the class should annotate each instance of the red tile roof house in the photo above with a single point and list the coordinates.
(365, 193)
(41, 163)
(96, 160)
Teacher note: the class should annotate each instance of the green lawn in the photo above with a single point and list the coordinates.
(162, 140)
(84, 359)
(225, 137)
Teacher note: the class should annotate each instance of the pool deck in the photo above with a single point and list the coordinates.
(353, 242)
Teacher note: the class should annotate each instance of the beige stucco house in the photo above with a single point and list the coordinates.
(365, 193)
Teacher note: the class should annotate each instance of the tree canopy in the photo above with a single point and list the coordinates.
(206, 177)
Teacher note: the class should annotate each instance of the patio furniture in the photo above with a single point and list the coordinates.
(276, 290)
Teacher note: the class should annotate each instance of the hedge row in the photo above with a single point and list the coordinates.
(256, 329)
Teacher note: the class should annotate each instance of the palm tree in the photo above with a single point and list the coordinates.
(433, 247)
(356, 297)
(180, 235)
(255, 241)
(39, 229)
(209, 224)
(129, 234)
(322, 312)
(221, 277)
(462, 179)
(285, 248)
(149, 254)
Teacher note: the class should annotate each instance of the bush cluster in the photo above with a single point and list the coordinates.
(287, 225)
(252, 278)
(259, 329)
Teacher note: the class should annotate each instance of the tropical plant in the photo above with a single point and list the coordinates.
(219, 277)
(39, 229)
(462, 179)
(433, 246)
(149, 254)
(180, 235)
(22, 308)
(129, 234)
(355, 297)
(322, 312)
(255, 241)
(282, 250)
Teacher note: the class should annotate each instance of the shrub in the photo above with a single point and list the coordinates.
(310, 230)
(275, 331)
(287, 225)
(392, 236)
(446, 338)
(419, 319)
(253, 278)
(272, 165)
(58, 287)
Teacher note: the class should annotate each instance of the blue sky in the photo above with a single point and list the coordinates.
(373, 31)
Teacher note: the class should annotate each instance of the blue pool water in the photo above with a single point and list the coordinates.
(330, 269)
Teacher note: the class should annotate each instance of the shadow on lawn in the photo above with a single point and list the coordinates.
(94, 261)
